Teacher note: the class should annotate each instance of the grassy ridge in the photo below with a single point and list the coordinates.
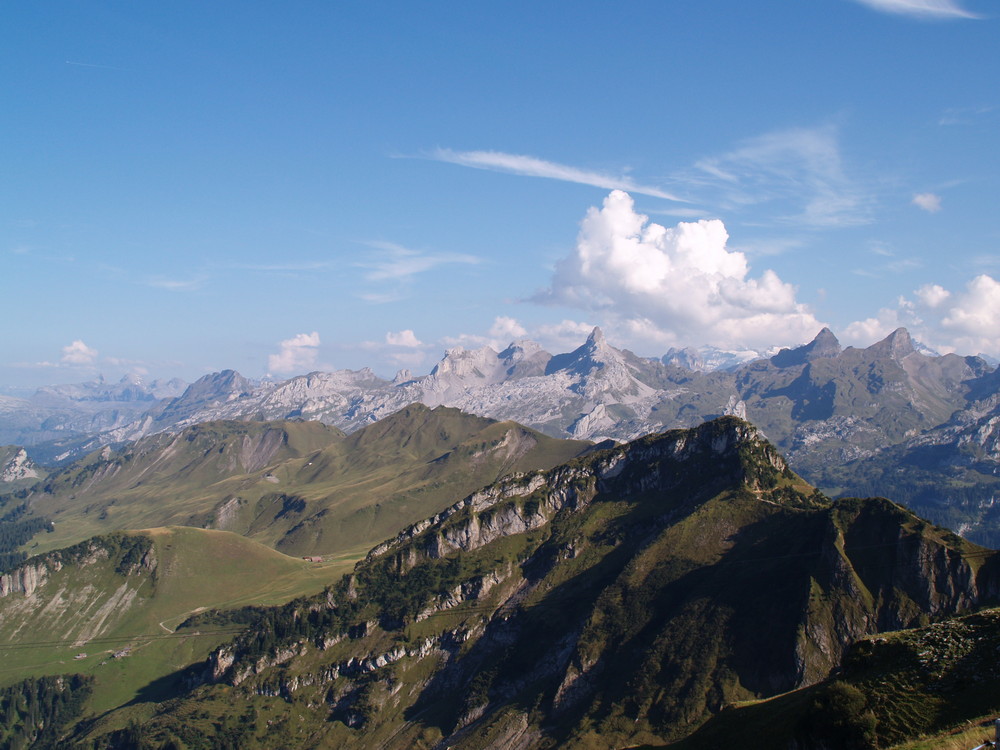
(300, 487)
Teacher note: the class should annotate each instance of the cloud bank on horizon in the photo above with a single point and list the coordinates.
(645, 284)
(965, 322)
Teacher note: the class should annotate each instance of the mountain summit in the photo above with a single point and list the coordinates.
(824, 345)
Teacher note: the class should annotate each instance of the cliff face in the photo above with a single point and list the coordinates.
(24, 580)
(127, 555)
(620, 598)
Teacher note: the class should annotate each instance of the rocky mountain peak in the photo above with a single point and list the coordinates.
(825, 345)
(595, 352)
(896, 345)
(15, 464)
(461, 361)
(215, 388)
(518, 350)
(227, 378)
(596, 338)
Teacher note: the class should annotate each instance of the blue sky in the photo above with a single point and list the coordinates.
(279, 187)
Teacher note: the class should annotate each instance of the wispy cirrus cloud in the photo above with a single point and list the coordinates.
(798, 171)
(928, 9)
(964, 115)
(290, 267)
(531, 166)
(93, 65)
(889, 263)
(177, 285)
(395, 262)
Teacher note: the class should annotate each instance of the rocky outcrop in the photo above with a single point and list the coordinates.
(131, 555)
(16, 465)
(25, 579)
(574, 486)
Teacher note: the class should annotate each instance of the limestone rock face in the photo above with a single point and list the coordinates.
(23, 580)
(17, 466)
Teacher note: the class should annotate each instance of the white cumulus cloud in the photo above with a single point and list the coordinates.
(932, 295)
(502, 332)
(675, 285)
(929, 202)
(967, 321)
(404, 338)
(295, 354)
(507, 329)
(920, 8)
(78, 353)
(975, 314)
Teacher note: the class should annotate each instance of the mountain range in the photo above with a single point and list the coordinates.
(844, 417)
(593, 392)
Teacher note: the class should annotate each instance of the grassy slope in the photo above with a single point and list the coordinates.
(77, 610)
(321, 494)
(166, 479)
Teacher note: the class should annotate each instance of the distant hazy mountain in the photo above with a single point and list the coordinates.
(816, 394)
(71, 413)
(950, 473)
(708, 358)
